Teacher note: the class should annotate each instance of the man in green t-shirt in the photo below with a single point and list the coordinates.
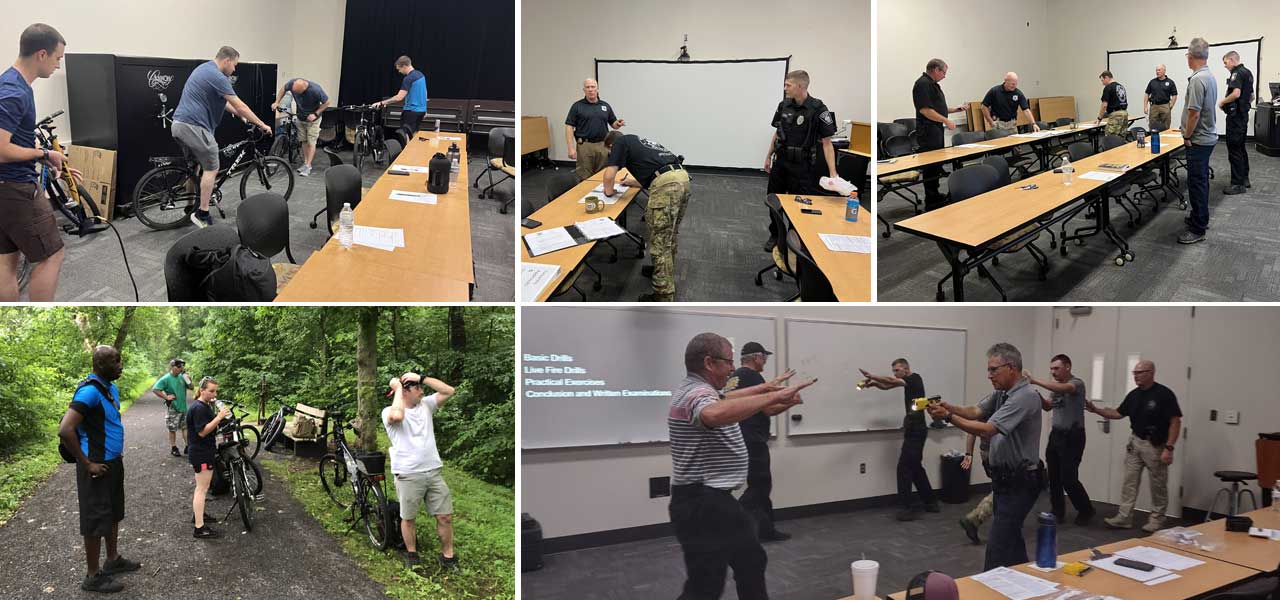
(172, 388)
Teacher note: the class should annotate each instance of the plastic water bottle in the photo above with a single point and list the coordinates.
(346, 226)
(437, 125)
(1047, 541)
(851, 207)
(1067, 171)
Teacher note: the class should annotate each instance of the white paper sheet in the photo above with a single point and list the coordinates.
(451, 138)
(835, 242)
(1159, 558)
(378, 237)
(598, 229)
(1101, 176)
(974, 146)
(415, 197)
(1166, 578)
(548, 240)
(410, 168)
(1109, 564)
(535, 278)
(1015, 585)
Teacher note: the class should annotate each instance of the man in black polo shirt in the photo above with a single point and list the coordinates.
(931, 117)
(1001, 105)
(586, 125)
(1115, 105)
(755, 433)
(800, 152)
(1236, 104)
(1162, 94)
(659, 171)
(914, 432)
(1156, 421)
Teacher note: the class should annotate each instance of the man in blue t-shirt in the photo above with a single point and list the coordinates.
(413, 90)
(28, 225)
(92, 432)
(206, 94)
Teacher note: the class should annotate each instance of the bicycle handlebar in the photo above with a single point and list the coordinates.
(50, 118)
(360, 107)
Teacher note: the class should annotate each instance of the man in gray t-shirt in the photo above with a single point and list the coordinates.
(1066, 440)
(1199, 137)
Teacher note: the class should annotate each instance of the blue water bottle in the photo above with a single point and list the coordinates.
(851, 208)
(1155, 142)
(1047, 541)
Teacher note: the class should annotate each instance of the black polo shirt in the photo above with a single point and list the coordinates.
(804, 124)
(1241, 79)
(1115, 96)
(913, 388)
(926, 93)
(590, 121)
(756, 427)
(1150, 411)
(641, 157)
(1005, 104)
(1161, 91)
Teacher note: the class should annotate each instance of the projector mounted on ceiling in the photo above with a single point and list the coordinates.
(684, 50)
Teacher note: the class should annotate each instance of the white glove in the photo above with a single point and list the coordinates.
(838, 185)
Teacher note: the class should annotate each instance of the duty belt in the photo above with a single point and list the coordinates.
(669, 167)
(798, 154)
(587, 141)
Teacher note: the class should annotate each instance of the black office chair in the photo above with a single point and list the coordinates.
(1112, 141)
(1002, 169)
(342, 184)
(979, 179)
(996, 133)
(394, 148)
(1059, 122)
(263, 224)
(814, 285)
(1042, 125)
(887, 131)
(561, 183)
(1018, 160)
(181, 281)
(1266, 587)
(1080, 151)
(967, 137)
(497, 160)
(910, 124)
(783, 264)
(899, 184)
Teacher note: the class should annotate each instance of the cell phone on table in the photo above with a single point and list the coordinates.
(810, 211)
(803, 200)
(530, 223)
(1133, 564)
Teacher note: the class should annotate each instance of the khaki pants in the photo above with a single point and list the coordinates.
(592, 157)
(1117, 122)
(1006, 125)
(1142, 455)
(668, 196)
(1158, 118)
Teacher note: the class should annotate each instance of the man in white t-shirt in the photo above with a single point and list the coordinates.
(416, 463)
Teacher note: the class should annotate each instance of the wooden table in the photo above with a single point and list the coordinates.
(1238, 548)
(975, 224)
(848, 272)
(535, 134)
(437, 253)
(565, 210)
(1193, 582)
(919, 160)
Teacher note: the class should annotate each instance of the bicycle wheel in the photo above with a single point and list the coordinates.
(251, 439)
(87, 200)
(165, 196)
(244, 499)
(253, 474)
(374, 512)
(272, 174)
(358, 149)
(336, 481)
(280, 147)
(273, 428)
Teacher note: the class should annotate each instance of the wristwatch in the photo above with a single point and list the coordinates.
(1168, 447)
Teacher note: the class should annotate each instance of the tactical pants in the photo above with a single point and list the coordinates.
(592, 157)
(716, 534)
(668, 196)
(1140, 454)
(1237, 154)
(983, 510)
(1159, 118)
(1011, 125)
(1062, 458)
(756, 499)
(911, 469)
(1117, 122)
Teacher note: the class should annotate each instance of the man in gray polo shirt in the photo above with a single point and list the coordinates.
(708, 461)
(1199, 137)
(1066, 440)
(1010, 418)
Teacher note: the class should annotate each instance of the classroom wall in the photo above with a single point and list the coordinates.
(573, 491)
(1076, 55)
(303, 38)
(561, 40)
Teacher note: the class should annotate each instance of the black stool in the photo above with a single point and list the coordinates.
(1234, 493)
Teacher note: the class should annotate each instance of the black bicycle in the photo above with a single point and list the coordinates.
(238, 467)
(287, 145)
(354, 482)
(273, 426)
(369, 139)
(67, 196)
(166, 195)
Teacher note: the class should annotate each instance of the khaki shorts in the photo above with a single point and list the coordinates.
(28, 225)
(412, 488)
(308, 131)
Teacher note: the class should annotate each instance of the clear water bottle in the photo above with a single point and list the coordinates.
(1067, 171)
(346, 226)
(1275, 496)
(437, 125)
(1047, 541)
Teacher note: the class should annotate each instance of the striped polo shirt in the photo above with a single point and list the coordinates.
(712, 456)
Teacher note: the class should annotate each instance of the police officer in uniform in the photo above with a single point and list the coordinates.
(659, 171)
(1162, 94)
(1010, 418)
(931, 117)
(800, 152)
(586, 125)
(755, 433)
(1236, 105)
(1115, 105)
(1002, 103)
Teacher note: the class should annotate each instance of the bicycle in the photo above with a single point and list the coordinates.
(166, 195)
(287, 145)
(237, 467)
(369, 138)
(336, 477)
(273, 426)
(67, 196)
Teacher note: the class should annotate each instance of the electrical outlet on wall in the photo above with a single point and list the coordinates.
(1213, 414)
(1232, 417)
(862, 468)
(659, 487)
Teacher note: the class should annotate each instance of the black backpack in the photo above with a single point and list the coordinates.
(235, 274)
(67, 456)
(391, 513)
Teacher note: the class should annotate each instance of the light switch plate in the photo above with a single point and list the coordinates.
(1232, 417)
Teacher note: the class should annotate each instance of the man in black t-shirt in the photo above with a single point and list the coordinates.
(587, 123)
(1236, 104)
(1115, 105)
(931, 117)
(659, 171)
(914, 431)
(1158, 102)
(1156, 421)
(1001, 105)
(755, 433)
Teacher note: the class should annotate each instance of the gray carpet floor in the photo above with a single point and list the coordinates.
(812, 565)
(94, 271)
(1238, 262)
(721, 244)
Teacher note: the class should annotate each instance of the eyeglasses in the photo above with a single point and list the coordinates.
(728, 360)
(992, 370)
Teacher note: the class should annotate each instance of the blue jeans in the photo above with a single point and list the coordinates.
(1198, 186)
(1006, 548)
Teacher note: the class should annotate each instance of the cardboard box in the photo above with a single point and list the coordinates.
(99, 169)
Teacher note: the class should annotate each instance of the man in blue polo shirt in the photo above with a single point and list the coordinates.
(413, 90)
(92, 432)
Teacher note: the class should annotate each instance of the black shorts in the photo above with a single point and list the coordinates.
(410, 121)
(101, 499)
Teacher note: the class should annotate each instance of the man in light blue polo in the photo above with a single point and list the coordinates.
(1199, 136)
(413, 90)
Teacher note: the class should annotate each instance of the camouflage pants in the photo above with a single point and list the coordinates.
(1006, 125)
(1117, 122)
(985, 507)
(1158, 118)
(668, 195)
(1142, 455)
(592, 157)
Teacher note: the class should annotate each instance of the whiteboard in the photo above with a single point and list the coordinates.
(1134, 68)
(633, 349)
(714, 113)
(833, 352)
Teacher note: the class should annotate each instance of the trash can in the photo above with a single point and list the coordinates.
(530, 543)
(955, 480)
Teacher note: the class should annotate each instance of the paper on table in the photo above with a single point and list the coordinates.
(1015, 585)
(618, 188)
(1169, 577)
(599, 228)
(1100, 176)
(1159, 558)
(416, 197)
(974, 146)
(378, 237)
(835, 242)
(548, 240)
(1109, 564)
(411, 169)
(446, 137)
(535, 278)
(600, 194)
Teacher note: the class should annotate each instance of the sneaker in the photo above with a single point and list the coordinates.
(205, 533)
(1118, 523)
(119, 565)
(1153, 526)
(908, 514)
(970, 530)
(411, 560)
(775, 536)
(932, 507)
(1233, 190)
(201, 218)
(1189, 237)
(102, 583)
(646, 271)
(174, 451)
(304, 170)
(449, 563)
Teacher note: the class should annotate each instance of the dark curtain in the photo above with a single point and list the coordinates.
(466, 48)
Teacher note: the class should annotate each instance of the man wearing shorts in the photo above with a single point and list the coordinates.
(205, 95)
(413, 90)
(416, 464)
(28, 225)
(309, 101)
(92, 432)
(172, 388)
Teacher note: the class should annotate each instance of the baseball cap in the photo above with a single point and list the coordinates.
(177, 362)
(932, 585)
(754, 348)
